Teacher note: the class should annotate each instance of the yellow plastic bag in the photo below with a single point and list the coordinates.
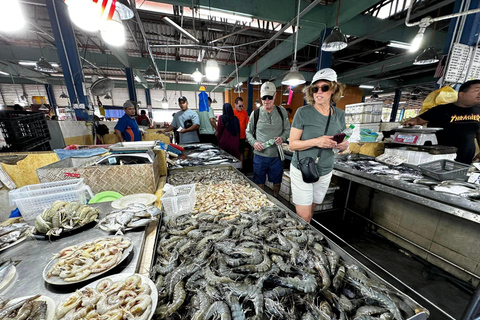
(440, 96)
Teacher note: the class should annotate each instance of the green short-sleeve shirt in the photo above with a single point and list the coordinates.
(313, 124)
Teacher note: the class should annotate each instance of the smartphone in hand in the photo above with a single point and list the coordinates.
(339, 137)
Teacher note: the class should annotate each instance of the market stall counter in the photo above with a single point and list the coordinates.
(205, 154)
(33, 255)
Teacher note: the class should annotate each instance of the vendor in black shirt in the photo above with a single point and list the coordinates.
(460, 121)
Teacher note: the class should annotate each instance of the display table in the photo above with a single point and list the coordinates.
(34, 255)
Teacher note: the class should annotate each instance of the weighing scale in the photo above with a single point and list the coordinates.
(416, 135)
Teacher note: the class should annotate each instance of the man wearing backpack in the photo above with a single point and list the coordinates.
(267, 123)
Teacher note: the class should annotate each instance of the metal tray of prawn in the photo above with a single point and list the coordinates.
(343, 254)
(59, 281)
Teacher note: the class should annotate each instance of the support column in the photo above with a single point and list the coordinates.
(396, 103)
(249, 97)
(67, 51)
(132, 91)
(148, 101)
(51, 97)
(325, 57)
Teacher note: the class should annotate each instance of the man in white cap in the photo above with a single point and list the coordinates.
(127, 127)
(187, 121)
(267, 123)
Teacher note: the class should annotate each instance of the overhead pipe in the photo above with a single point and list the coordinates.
(430, 20)
(275, 36)
(183, 31)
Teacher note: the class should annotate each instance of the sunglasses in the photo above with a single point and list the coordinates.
(267, 98)
(324, 88)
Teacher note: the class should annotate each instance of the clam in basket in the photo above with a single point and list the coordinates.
(179, 200)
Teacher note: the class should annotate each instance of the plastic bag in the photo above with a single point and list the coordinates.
(440, 96)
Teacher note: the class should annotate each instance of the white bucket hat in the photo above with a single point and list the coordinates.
(325, 74)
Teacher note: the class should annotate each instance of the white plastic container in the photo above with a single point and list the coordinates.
(418, 157)
(32, 200)
(179, 200)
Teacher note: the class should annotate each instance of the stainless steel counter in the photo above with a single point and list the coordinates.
(455, 205)
(35, 254)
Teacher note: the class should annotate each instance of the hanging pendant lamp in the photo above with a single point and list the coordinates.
(377, 88)
(335, 41)
(428, 56)
(150, 73)
(294, 77)
(197, 76)
(158, 85)
(212, 71)
(43, 65)
(256, 81)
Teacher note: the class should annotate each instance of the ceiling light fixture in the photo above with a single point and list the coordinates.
(165, 103)
(428, 56)
(150, 73)
(374, 96)
(33, 63)
(86, 15)
(107, 96)
(63, 95)
(256, 81)
(11, 16)
(336, 40)
(417, 41)
(157, 85)
(286, 92)
(4, 73)
(214, 100)
(43, 65)
(123, 9)
(399, 45)
(212, 71)
(137, 78)
(238, 88)
(197, 76)
(294, 77)
(113, 31)
(377, 88)
(366, 86)
(416, 92)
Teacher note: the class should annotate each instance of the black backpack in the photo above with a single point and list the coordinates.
(256, 115)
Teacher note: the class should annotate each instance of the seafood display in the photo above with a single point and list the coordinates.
(87, 260)
(263, 265)
(134, 216)
(34, 308)
(229, 198)
(13, 234)
(129, 298)
(213, 175)
(64, 216)
(7, 273)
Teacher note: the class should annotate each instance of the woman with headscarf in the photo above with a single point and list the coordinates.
(228, 131)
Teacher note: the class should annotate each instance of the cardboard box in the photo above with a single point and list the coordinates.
(124, 179)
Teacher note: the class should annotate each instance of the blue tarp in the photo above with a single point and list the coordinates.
(83, 153)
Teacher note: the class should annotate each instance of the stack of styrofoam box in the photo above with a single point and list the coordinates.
(363, 112)
(355, 137)
(285, 188)
(418, 157)
(327, 201)
(269, 184)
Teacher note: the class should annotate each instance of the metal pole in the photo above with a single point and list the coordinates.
(396, 103)
(345, 208)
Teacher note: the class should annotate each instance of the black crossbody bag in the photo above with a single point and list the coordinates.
(308, 165)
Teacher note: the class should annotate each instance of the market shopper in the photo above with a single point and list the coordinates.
(242, 116)
(187, 121)
(127, 127)
(267, 124)
(460, 122)
(208, 125)
(313, 127)
(142, 119)
(228, 131)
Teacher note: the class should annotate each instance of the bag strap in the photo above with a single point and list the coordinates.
(256, 115)
(325, 133)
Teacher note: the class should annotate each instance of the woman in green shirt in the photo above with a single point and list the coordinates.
(308, 133)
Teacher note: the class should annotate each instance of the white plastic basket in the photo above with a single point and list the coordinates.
(34, 199)
(179, 200)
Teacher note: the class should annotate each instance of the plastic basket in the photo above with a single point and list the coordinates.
(444, 170)
(174, 150)
(23, 129)
(33, 202)
(179, 200)
(41, 189)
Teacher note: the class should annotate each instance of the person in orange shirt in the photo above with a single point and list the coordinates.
(242, 116)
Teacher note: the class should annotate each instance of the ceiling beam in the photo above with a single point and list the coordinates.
(18, 71)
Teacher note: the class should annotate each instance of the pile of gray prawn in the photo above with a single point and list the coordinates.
(263, 265)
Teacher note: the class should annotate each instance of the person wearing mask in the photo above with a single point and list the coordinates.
(187, 120)
(267, 123)
(228, 131)
(208, 125)
(127, 127)
(242, 116)
(142, 119)
(312, 129)
(460, 122)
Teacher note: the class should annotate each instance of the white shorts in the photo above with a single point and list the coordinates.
(304, 194)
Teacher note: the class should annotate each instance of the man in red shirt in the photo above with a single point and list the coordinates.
(242, 116)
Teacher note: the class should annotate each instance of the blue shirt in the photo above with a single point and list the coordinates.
(179, 121)
(129, 128)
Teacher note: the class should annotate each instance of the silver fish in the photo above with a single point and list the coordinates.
(138, 223)
(7, 274)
